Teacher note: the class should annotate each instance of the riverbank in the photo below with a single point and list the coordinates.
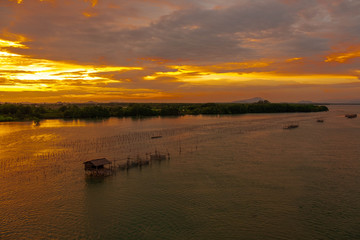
(30, 112)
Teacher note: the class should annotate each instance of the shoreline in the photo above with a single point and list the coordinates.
(37, 112)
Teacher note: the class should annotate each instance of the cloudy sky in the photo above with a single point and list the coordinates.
(179, 50)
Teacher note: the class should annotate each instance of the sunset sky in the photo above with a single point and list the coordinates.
(179, 50)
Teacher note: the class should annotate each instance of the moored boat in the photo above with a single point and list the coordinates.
(352, 115)
(153, 137)
(291, 126)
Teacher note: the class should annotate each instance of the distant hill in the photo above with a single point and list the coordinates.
(250, 100)
(332, 101)
(305, 102)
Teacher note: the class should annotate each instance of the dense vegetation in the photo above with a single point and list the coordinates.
(19, 112)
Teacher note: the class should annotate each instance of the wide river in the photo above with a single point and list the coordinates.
(228, 177)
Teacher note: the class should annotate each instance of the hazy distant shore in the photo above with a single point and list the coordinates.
(36, 112)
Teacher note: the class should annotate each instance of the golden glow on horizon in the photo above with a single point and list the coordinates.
(26, 68)
(63, 81)
(207, 75)
(20, 72)
(208, 70)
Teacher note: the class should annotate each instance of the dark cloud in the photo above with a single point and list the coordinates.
(186, 31)
(5, 16)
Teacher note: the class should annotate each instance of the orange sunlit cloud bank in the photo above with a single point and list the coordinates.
(222, 75)
(179, 51)
(352, 53)
(24, 68)
(20, 73)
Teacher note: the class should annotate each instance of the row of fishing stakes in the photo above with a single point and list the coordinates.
(64, 150)
(125, 142)
(96, 167)
(64, 155)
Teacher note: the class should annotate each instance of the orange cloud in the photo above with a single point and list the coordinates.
(293, 59)
(229, 74)
(353, 52)
(90, 14)
(93, 2)
(21, 1)
(14, 44)
(233, 67)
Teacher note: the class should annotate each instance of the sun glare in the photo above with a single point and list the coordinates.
(24, 73)
(14, 44)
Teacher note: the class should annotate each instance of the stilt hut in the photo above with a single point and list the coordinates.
(97, 167)
(157, 156)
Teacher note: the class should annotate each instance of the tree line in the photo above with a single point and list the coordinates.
(21, 112)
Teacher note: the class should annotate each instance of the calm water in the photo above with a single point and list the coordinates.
(230, 177)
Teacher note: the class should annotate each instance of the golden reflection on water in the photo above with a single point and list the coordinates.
(11, 127)
(43, 137)
(59, 123)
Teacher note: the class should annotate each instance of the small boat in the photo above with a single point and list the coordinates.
(320, 120)
(353, 115)
(153, 137)
(291, 126)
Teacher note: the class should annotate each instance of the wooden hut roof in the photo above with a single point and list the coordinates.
(98, 162)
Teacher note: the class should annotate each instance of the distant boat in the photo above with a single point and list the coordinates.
(291, 126)
(353, 115)
(156, 137)
(320, 120)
